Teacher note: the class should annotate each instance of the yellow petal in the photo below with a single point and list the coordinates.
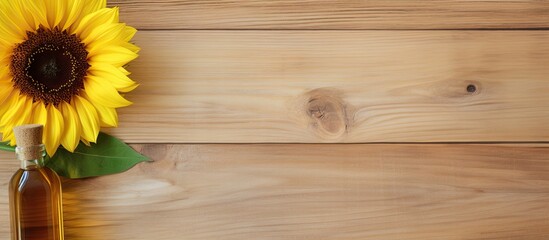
(104, 35)
(53, 129)
(18, 114)
(40, 114)
(5, 58)
(5, 90)
(55, 10)
(8, 102)
(88, 119)
(115, 55)
(86, 8)
(5, 44)
(102, 92)
(73, 11)
(94, 20)
(10, 30)
(131, 47)
(94, 5)
(107, 116)
(118, 79)
(85, 141)
(71, 135)
(5, 74)
(25, 19)
(15, 110)
(128, 33)
(124, 71)
(39, 12)
(113, 34)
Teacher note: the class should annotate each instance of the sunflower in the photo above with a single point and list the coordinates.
(62, 65)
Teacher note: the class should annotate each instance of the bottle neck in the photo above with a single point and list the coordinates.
(31, 157)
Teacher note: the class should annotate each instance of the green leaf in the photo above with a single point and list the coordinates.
(5, 146)
(108, 156)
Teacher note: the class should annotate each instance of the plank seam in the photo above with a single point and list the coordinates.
(345, 30)
(350, 143)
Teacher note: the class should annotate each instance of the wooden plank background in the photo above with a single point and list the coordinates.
(339, 86)
(332, 120)
(329, 14)
(313, 191)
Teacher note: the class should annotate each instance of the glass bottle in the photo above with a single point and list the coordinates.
(36, 208)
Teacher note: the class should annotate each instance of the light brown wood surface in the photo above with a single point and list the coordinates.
(290, 72)
(313, 191)
(338, 86)
(329, 14)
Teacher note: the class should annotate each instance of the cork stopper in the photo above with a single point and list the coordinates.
(27, 137)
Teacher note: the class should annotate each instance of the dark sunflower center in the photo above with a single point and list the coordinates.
(50, 66)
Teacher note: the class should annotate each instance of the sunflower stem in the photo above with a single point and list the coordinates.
(4, 146)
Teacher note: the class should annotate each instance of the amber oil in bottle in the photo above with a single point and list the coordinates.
(35, 193)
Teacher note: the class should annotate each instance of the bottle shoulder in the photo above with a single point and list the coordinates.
(51, 175)
(43, 176)
(16, 178)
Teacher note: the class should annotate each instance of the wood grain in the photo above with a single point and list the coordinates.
(324, 14)
(312, 191)
(289, 71)
(338, 86)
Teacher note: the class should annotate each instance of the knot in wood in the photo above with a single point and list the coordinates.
(327, 113)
